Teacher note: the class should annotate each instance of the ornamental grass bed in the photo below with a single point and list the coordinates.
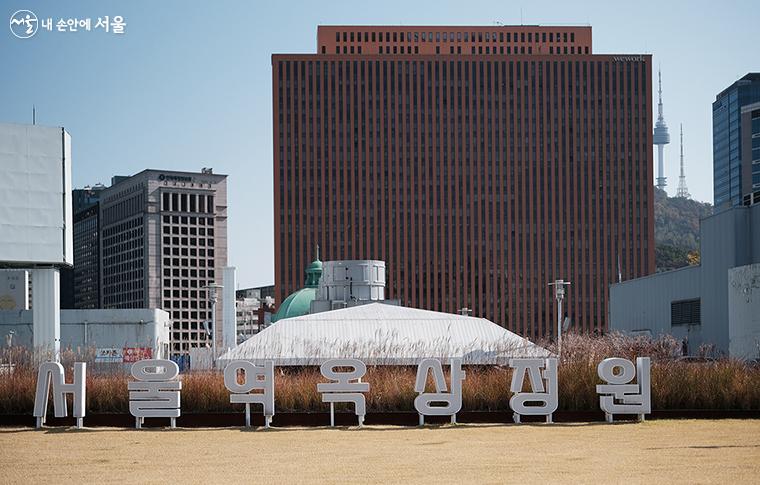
(707, 384)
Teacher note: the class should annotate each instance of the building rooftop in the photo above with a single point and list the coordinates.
(748, 78)
(168, 174)
(442, 39)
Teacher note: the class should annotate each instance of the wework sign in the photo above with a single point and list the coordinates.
(638, 58)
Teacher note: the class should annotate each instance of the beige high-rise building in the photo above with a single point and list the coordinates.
(163, 237)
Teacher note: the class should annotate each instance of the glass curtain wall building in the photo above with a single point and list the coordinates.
(727, 150)
(751, 153)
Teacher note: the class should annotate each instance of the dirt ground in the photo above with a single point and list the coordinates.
(726, 451)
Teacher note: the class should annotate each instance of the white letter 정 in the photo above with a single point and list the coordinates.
(423, 403)
(254, 378)
(618, 396)
(547, 396)
(52, 373)
(342, 389)
(156, 392)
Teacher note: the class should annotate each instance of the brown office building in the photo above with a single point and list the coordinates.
(480, 163)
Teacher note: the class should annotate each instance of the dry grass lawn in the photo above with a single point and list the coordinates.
(726, 451)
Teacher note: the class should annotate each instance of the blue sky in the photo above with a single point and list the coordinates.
(188, 84)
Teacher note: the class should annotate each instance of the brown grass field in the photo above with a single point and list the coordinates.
(699, 451)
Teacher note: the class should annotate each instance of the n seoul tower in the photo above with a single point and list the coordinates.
(661, 137)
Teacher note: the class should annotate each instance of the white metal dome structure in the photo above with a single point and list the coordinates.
(380, 334)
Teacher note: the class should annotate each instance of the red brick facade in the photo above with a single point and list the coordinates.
(477, 178)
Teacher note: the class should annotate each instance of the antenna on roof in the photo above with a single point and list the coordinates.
(34, 115)
(521, 16)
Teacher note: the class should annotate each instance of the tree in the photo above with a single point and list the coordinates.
(676, 231)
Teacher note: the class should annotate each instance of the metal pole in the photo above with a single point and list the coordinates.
(212, 297)
(9, 341)
(213, 330)
(559, 295)
(559, 327)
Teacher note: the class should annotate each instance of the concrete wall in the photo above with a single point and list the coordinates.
(97, 328)
(728, 240)
(754, 220)
(724, 244)
(229, 322)
(744, 311)
(643, 304)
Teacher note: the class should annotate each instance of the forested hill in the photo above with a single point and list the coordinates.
(676, 230)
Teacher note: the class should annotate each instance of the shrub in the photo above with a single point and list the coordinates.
(720, 385)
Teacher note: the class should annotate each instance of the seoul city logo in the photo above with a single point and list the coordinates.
(24, 24)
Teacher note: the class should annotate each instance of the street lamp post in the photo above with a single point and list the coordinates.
(9, 343)
(559, 295)
(211, 291)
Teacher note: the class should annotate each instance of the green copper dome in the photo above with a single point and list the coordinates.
(296, 304)
(299, 302)
(314, 272)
